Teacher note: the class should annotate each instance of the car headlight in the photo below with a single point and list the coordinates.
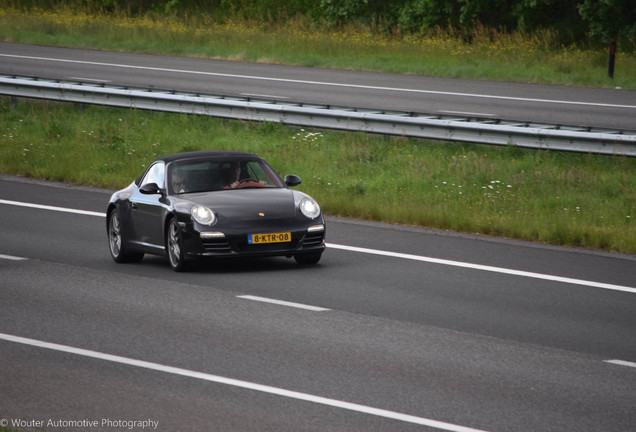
(309, 208)
(203, 215)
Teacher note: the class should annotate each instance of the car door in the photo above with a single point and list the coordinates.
(148, 209)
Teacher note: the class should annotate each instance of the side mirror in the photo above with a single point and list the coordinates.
(150, 189)
(292, 180)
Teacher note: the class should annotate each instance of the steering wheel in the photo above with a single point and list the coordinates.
(247, 180)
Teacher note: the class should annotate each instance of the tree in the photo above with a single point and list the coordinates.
(417, 15)
(610, 20)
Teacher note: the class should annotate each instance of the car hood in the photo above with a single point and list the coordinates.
(248, 204)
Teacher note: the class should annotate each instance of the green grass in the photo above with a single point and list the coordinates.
(554, 197)
(491, 54)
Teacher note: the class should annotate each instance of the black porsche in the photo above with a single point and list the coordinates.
(213, 204)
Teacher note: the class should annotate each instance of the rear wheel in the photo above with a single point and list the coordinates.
(308, 258)
(116, 243)
(174, 246)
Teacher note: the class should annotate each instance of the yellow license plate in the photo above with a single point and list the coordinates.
(269, 238)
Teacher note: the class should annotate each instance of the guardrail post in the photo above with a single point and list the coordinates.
(612, 56)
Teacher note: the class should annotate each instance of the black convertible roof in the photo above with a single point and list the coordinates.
(207, 154)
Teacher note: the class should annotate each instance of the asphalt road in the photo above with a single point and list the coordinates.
(602, 108)
(447, 332)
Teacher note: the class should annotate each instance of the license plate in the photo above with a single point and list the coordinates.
(269, 238)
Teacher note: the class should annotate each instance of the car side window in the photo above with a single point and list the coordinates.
(156, 174)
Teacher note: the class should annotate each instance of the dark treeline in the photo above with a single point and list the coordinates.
(590, 21)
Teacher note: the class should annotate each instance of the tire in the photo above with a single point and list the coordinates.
(174, 246)
(308, 258)
(116, 241)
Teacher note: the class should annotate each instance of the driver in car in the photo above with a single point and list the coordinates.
(232, 176)
(178, 182)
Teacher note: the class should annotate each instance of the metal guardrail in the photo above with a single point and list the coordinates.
(407, 124)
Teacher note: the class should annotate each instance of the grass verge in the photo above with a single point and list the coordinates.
(560, 198)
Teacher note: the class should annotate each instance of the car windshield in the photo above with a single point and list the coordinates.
(188, 176)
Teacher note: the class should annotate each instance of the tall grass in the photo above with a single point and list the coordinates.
(490, 54)
(561, 198)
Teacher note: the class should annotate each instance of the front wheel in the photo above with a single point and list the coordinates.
(116, 243)
(174, 247)
(308, 258)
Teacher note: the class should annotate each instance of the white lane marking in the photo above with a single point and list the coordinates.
(284, 303)
(242, 384)
(46, 207)
(12, 258)
(622, 363)
(322, 83)
(485, 268)
(399, 255)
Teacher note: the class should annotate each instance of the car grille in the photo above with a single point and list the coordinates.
(313, 239)
(217, 245)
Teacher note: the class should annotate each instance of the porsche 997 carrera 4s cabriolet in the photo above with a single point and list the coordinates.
(213, 204)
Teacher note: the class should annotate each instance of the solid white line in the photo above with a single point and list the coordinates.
(242, 384)
(12, 258)
(485, 268)
(284, 303)
(322, 83)
(622, 363)
(399, 255)
(46, 207)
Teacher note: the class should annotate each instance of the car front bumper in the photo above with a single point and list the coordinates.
(226, 243)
